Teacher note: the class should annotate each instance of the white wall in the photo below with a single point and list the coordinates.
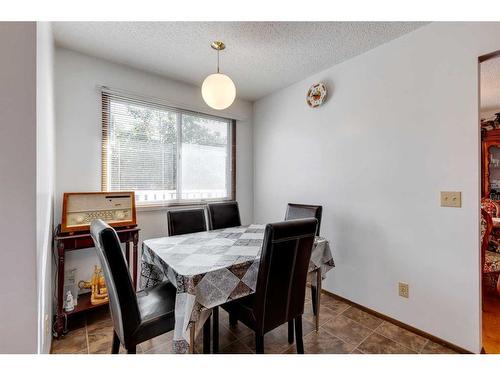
(18, 292)
(401, 124)
(490, 113)
(45, 175)
(78, 128)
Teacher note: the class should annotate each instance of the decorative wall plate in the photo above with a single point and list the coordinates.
(316, 95)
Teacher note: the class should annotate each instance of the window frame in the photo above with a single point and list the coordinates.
(106, 98)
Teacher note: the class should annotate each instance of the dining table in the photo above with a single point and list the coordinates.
(211, 268)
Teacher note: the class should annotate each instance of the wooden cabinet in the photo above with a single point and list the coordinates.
(69, 242)
(490, 164)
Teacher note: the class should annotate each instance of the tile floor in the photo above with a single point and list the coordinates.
(344, 329)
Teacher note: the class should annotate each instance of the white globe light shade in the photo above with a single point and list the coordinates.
(218, 91)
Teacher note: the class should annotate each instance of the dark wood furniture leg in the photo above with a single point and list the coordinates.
(115, 348)
(132, 350)
(206, 336)
(233, 321)
(59, 327)
(135, 241)
(127, 252)
(298, 335)
(215, 320)
(290, 331)
(259, 344)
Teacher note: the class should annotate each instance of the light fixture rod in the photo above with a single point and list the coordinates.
(218, 46)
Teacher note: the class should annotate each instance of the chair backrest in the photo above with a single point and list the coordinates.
(186, 221)
(223, 215)
(122, 298)
(302, 211)
(281, 281)
(486, 229)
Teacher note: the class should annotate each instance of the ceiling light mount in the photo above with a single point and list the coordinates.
(218, 45)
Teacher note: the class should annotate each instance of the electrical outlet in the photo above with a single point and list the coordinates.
(404, 290)
(47, 324)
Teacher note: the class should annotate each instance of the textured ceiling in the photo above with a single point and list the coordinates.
(490, 85)
(261, 57)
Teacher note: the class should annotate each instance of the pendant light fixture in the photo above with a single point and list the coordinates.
(218, 89)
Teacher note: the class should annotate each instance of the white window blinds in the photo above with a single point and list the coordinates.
(164, 154)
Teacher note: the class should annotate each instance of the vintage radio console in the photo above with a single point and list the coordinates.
(80, 209)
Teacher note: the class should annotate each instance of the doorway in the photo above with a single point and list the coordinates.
(489, 83)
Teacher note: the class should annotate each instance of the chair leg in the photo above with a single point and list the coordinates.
(314, 295)
(192, 331)
(131, 350)
(290, 331)
(206, 336)
(318, 296)
(259, 344)
(298, 335)
(215, 322)
(115, 348)
(233, 321)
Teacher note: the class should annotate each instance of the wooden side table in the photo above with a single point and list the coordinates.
(83, 240)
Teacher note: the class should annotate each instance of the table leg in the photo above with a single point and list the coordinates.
(318, 296)
(135, 241)
(192, 331)
(59, 326)
(215, 317)
(206, 336)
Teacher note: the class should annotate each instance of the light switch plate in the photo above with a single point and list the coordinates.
(451, 199)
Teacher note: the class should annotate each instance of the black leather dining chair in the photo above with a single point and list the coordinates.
(178, 222)
(223, 215)
(186, 221)
(281, 281)
(302, 211)
(137, 317)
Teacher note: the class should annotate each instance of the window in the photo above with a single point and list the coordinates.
(166, 155)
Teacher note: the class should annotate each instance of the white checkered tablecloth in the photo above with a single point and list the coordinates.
(211, 268)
